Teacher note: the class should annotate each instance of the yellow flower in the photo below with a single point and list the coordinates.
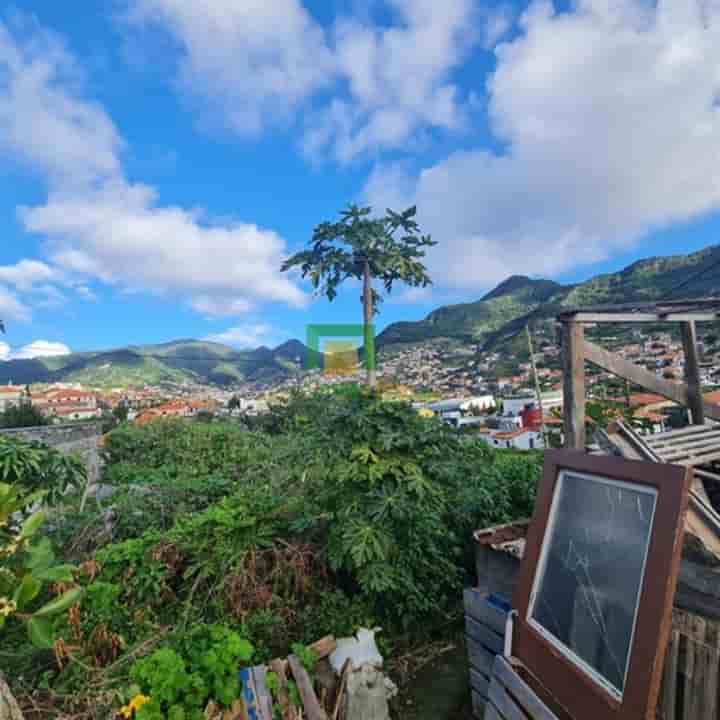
(129, 710)
(426, 413)
(7, 607)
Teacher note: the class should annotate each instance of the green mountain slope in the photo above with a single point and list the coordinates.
(500, 315)
(176, 362)
(495, 321)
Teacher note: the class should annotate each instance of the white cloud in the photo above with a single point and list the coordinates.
(43, 118)
(248, 335)
(11, 307)
(25, 274)
(39, 348)
(255, 59)
(398, 78)
(378, 85)
(98, 225)
(611, 121)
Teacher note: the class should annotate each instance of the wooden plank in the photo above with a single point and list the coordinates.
(669, 434)
(311, 705)
(323, 647)
(486, 636)
(643, 317)
(491, 713)
(699, 458)
(614, 363)
(698, 444)
(262, 694)
(702, 434)
(505, 704)
(479, 683)
(712, 679)
(669, 687)
(573, 336)
(692, 373)
(507, 676)
(480, 657)
(481, 609)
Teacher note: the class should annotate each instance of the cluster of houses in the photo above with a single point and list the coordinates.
(514, 422)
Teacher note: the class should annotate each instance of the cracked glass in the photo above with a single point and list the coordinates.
(587, 587)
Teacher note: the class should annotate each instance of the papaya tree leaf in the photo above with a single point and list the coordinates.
(59, 573)
(40, 632)
(26, 591)
(68, 598)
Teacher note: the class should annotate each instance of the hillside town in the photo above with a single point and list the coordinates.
(497, 396)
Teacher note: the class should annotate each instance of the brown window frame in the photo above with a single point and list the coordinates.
(566, 682)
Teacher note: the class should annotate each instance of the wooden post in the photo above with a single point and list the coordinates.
(573, 335)
(692, 373)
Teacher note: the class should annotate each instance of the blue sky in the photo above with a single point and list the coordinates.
(159, 158)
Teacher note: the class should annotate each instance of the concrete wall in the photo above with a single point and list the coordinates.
(81, 438)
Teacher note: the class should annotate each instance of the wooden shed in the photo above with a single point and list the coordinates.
(691, 679)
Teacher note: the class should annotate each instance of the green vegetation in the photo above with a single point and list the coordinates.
(22, 415)
(225, 545)
(499, 317)
(389, 249)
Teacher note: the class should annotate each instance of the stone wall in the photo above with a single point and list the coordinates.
(81, 438)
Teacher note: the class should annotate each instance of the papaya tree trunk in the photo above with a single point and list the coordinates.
(9, 709)
(369, 335)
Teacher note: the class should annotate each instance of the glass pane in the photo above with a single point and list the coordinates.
(590, 573)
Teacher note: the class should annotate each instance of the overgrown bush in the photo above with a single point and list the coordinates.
(336, 510)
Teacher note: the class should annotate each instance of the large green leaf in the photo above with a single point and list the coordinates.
(59, 573)
(27, 591)
(31, 525)
(40, 556)
(40, 632)
(68, 598)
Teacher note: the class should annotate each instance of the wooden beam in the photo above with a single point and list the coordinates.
(692, 373)
(573, 336)
(311, 705)
(614, 363)
(642, 317)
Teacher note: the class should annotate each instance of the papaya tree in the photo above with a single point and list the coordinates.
(389, 249)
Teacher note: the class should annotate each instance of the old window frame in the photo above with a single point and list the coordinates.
(566, 681)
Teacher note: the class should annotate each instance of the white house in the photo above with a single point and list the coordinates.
(521, 439)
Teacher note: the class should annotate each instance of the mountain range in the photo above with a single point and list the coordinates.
(494, 321)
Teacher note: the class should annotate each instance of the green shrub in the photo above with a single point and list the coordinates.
(180, 682)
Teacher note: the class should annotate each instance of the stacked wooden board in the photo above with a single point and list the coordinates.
(510, 697)
(485, 620)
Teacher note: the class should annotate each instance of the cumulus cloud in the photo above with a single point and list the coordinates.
(11, 307)
(377, 85)
(25, 274)
(37, 348)
(98, 225)
(398, 78)
(610, 119)
(256, 60)
(248, 335)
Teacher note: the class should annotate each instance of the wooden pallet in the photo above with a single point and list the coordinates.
(511, 698)
(690, 446)
(691, 681)
(485, 618)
